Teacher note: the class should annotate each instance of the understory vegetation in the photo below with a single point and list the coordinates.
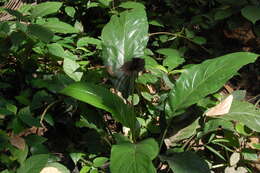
(100, 86)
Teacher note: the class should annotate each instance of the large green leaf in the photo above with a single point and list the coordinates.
(46, 8)
(56, 49)
(186, 162)
(70, 67)
(245, 113)
(102, 98)
(43, 33)
(60, 27)
(251, 13)
(200, 80)
(124, 37)
(34, 164)
(173, 58)
(134, 158)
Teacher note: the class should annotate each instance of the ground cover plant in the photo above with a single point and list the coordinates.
(130, 86)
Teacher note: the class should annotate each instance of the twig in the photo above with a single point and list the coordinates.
(179, 35)
(45, 111)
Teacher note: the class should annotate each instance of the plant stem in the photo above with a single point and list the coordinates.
(181, 36)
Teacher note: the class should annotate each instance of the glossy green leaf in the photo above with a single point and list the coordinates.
(215, 124)
(245, 113)
(26, 116)
(105, 2)
(173, 58)
(186, 162)
(43, 33)
(56, 50)
(251, 13)
(102, 98)
(46, 8)
(199, 40)
(250, 154)
(84, 41)
(132, 5)
(99, 161)
(70, 11)
(70, 67)
(206, 78)
(124, 37)
(156, 23)
(33, 140)
(147, 78)
(134, 158)
(57, 26)
(76, 157)
(19, 154)
(34, 164)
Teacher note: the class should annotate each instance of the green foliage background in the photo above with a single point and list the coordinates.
(61, 74)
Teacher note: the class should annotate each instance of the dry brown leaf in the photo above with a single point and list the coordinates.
(33, 130)
(151, 89)
(50, 170)
(222, 108)
(18, 142)
(253, 140)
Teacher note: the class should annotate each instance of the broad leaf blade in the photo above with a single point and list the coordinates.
(251, 13)
(34, 164)
(46, 8)
(124, 37)
(102, 98)
(44, 34)
(70, 67)
(184, 133)
(206, 78)
(245, 113)
(60, 27)
(134, 158)
(186, 162)
(173, 58)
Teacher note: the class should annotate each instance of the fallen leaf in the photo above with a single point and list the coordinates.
(222, 108)
(18, 142)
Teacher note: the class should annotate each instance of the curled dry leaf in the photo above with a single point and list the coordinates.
(222, 108)
(253, 140)
(18, 142)
(50, 170)
(34, 130)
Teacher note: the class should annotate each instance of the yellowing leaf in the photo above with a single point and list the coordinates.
(18, 142)
(222, 108)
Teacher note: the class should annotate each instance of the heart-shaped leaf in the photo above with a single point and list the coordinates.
(251, 13)
(134, 158)
(34, 164)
